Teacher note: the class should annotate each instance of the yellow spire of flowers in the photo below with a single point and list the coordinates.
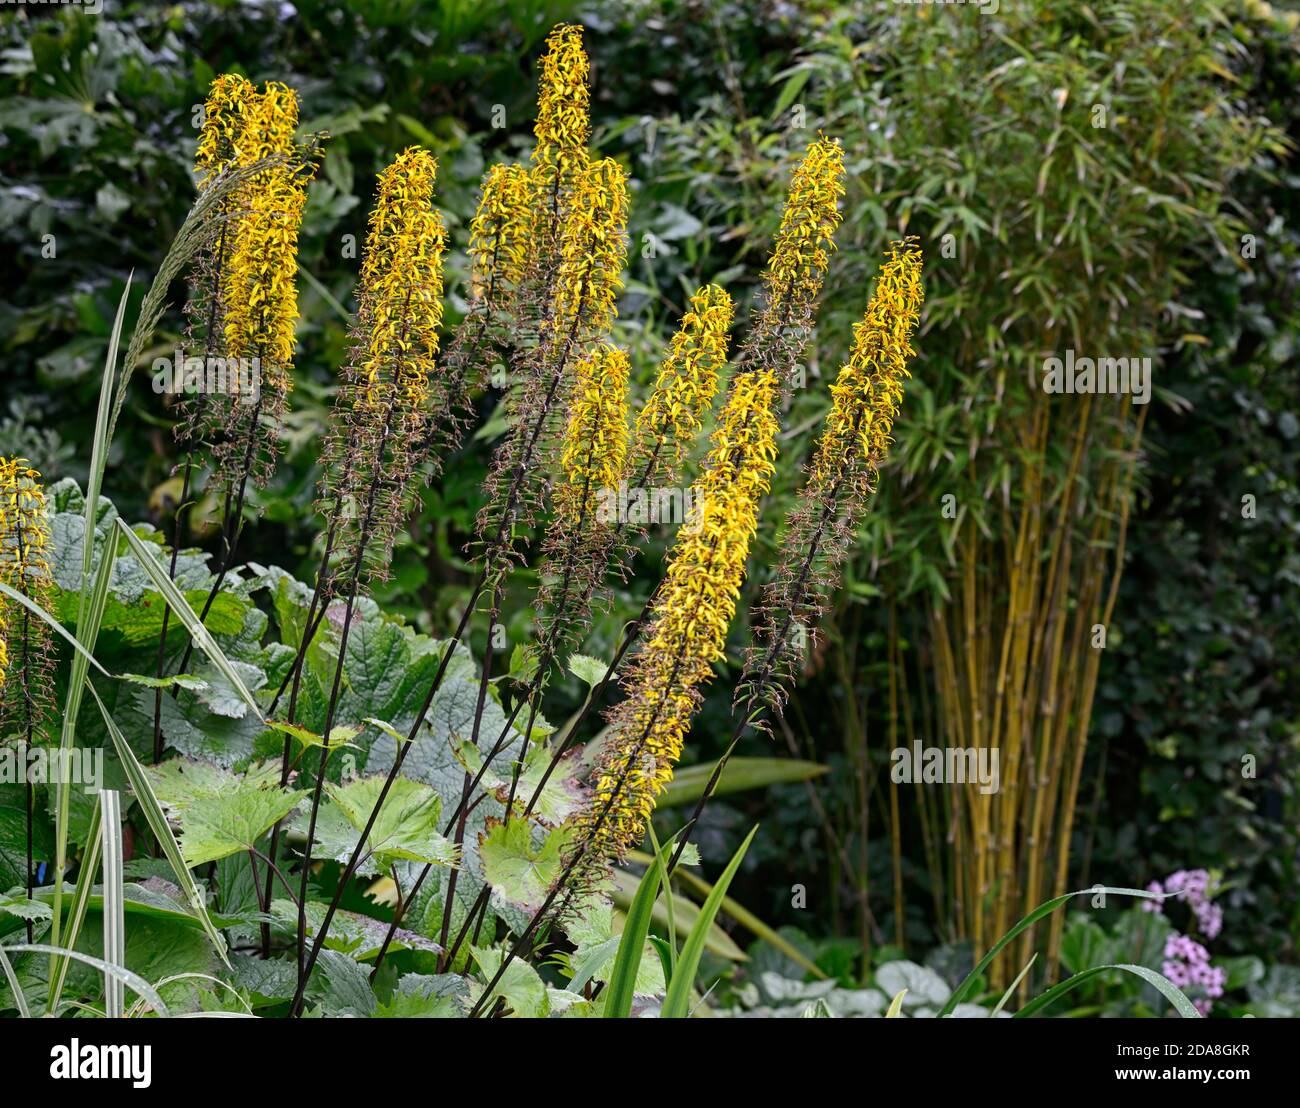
(688, 630)
(380, 425)
(595, 440)
(667, 425)
(563, 126)
(869, 388)
(801, 252)
(229, 98)
(593, 251)
(400, 295)
(262, 285)
(25, 568)
(821, 525)
(499, 231)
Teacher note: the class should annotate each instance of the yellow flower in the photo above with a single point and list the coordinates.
(400, 291)
(262, 281)
(801, 253)
(869, 388)
(688, 629)
(25, 568)
(379, 427)
(595, 440)
(667, 425)
(229, 98)
(499, 231)
(593, 251)
(563, 126)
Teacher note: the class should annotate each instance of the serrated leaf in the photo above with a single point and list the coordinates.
(406, 828)
(520, 872)
(588, 669)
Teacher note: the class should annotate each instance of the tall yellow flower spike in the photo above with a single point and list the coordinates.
(563, 126)
(593, 251)
(499, 231)
(867, 393)
(801, 254)
(229, 98)
(400, 295)
(688, 632)
(595, 440)
(380, 426)
(25, 568)
(666, 427)
(262, 286)
(821, 527)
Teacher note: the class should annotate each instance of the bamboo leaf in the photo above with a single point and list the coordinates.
(740, 774)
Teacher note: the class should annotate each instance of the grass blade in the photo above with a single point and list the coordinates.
(742, 916)
(114, 910)
(676, 1003)
(896, 1006)
(20, 1000)
(157, 821)
(81, 897)
(997, 1008)
(90, 614)
(622, 980)
(132, 981)
(1045, 909)
(40, 612)
(1159, 981)
(181, 607)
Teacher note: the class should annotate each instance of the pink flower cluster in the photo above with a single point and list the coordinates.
(1187, 962)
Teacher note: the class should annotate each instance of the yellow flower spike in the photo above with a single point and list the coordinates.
(866, 394)
(820, 527)
(260, 286)
(593, 251)
(499, 231)
(400, 293)
(229, 98)
(595, 440)
(688, 629)
(380, 425)
(25, 568)
(801, 253)
(563, 126)
(684, 387)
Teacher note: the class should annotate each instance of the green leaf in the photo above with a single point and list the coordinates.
(622, 982)
(520, 872)
(740, 774)
(218, 824)
(560, 797)
(1046, 908)
(523, 990)
(677, 1002)
(588, 669)
(1159, 981)
(406, 828)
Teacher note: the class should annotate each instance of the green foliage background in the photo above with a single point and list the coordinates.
(706, 102)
